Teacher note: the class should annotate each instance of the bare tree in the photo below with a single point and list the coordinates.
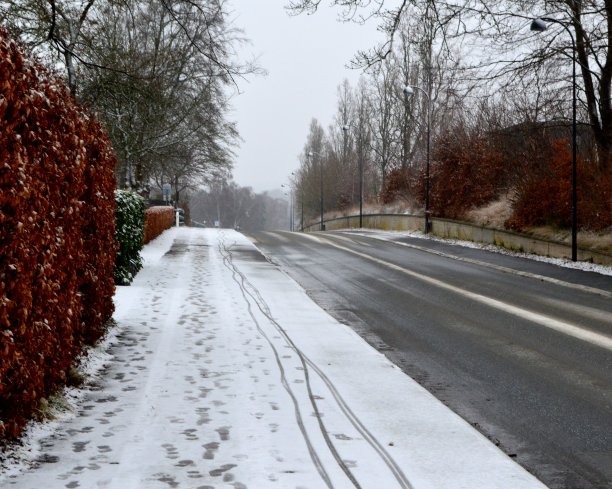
(383, 128)
(408, 75)
(57, 24)
(156, 73)
(362, 136)
(335, 166)
(238, 207)
(165, 105)
(68, 28)
(388, 15)
(312, 174)
(506, 54)
(343, 171)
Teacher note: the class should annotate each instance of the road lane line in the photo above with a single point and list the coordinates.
(597, 339)
(276, 235)
(345, 238)
(543, 278)
(309, 236)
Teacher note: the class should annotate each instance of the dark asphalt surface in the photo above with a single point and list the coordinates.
(544, 396)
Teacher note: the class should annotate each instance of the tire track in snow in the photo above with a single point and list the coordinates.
(227, 261)
(244, 286)
(248, 289)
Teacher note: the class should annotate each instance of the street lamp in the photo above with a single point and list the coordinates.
(298, 179)
(540, 25)
(409, 91)
(345, 128)
(311, 154)
(290, 195)
(302, 205)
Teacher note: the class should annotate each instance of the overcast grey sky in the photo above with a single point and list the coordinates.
(306, 58)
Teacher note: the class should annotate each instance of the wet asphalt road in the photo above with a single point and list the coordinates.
(521, 349)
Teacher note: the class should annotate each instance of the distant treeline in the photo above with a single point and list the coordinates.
(238, 207)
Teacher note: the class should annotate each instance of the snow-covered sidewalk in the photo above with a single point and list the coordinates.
(222, 373)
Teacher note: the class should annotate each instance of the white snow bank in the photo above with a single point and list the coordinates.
(561, 262)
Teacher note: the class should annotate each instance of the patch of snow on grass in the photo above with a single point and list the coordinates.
(561, 262)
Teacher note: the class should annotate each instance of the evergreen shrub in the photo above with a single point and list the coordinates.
(130, 221)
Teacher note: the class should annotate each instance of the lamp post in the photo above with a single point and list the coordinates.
(540, 25)
(302, 205)
(408, 91)
(290, 195)
(293, 199)
(297, 179)
(291, 209)
(345, 128)
(311, 154)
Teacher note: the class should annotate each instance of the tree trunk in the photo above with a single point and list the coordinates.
(599, 105)
(71, 71)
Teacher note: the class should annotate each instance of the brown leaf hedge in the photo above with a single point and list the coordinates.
(544, 193)
(157, 220)
(533, 164)
(57, 234)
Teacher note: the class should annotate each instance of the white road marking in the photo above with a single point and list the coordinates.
(276, 235)
(543, 278)
(345, 238)
(310, 236)
(597, 339)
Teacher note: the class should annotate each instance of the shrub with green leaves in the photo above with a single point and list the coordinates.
(130, 219)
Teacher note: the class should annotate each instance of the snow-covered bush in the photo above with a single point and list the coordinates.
(130, 219)
(57, 238)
